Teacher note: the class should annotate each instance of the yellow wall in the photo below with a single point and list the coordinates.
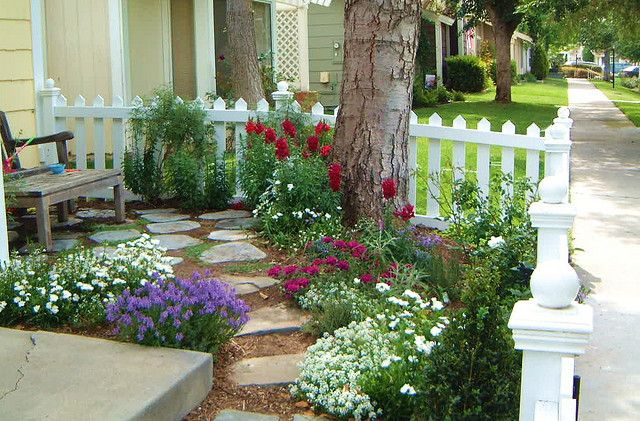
(17, 96)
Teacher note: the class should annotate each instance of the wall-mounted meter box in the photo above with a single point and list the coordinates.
(338, 53)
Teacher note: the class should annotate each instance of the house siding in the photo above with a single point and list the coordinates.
(326, 25)
(17, 96)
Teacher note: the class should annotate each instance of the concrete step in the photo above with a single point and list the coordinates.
(67, 377)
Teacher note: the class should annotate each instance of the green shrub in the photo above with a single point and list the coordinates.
(629, 82)
(474, 374)
(587, 55)
(422, 97)
(529, 77)
(539, 62)
(458, 96)
(465, 73)
(514, 72)
(442, 95)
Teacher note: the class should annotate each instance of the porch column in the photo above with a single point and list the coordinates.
(4, 239)
(437, 25)
(205, 47)
(460, 33)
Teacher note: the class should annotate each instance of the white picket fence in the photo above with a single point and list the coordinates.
(61, 112)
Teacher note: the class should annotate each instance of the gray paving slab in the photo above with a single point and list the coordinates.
(605, 188)
(248, 284)
(165, 217)
(172, 227)
(225, 214)
(96, 213)
(232, 252)
(233, 415)
(277, 319)
(156, 211)
(64, 244)
(277, 370)
(231, 235)
(176, 241)
(237, 224)
(115, 235)
(66, 377)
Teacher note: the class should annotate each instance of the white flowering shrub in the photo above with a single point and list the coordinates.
(76, 286)
(370, 368)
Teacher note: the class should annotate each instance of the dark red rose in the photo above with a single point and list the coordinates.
(389, 188)
(406, 213)
(289, 128)
(325, 150)
(270, 135)
(282, 149)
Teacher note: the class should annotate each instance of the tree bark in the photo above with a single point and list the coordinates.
(502, 33)
(372, 128)
(246, 81)
(607, 65)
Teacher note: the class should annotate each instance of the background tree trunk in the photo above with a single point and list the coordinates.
(607, 65)
(502, 32)
(371, 135)
(246, 80)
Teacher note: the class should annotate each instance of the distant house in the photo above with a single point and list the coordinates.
(520, 45)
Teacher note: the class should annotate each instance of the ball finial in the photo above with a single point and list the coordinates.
(49, 83)
(563, 112)
(283, 86)
(553, 189)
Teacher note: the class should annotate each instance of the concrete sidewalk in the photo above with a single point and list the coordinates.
(605, 187)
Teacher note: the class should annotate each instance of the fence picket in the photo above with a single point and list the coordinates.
(98, 137)
(295, 106)
(240, 136)
(60, 122)
(508, 156)
(459, 151)
(533, 157)
(413, 162)
(220, 129)
(317, 109)
(483, 165)
(435, 156)
(118, 138)
(81, 136)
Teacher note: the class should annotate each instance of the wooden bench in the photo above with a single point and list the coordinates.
(39, 188)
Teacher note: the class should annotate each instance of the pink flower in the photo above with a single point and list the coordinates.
(290, 270)
(343, 265)
(311, 270)
(332, 260)
(367, 278)
(275, 271)
(341, 244)
(327, 239)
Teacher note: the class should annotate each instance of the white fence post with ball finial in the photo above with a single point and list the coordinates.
(282, 96)
(551, 328)
(4, 236)
(49, 95)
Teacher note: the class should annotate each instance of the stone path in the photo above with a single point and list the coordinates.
(172, 227)
(605, 188)
(277, 319)
(115, 236)
(231, 235)
(176, 241)
(165, 217)
(232, 252)
(276, 370)
(237, 224)
(226, 214)
(248, 284)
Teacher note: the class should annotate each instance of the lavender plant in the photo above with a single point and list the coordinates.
(198, 313)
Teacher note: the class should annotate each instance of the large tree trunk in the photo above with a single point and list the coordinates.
(502, 33)
(607, 65)
(246, 80)
(371, 135)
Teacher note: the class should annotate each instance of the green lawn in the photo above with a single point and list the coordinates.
(621, 93)
(532, 103)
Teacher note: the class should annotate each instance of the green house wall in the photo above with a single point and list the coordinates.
(326, 26)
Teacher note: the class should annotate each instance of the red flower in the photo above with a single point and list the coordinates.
(289, 128)
(250, 127)
(294, 285)
(334, 176)
(311, 270)
(270, 135)
(238, 205)
(406, 213)
(322, 127)
(367, 278)
(282, 149)
(343, 265)
(313, 142)
(306, 154)
(275, 271)
(389, 189)
(325, 150)
(260, 127)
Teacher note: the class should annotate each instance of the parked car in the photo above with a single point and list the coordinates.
(631, 71)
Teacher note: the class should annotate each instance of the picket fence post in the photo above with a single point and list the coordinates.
(282, 96)
(551, 328)
(49, 95)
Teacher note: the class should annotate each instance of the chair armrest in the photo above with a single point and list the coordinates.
(54, 138)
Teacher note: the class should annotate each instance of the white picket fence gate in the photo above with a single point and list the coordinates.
(59, 113)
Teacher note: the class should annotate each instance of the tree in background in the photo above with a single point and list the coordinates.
(372, 128)
(246, 80)
(539, 61)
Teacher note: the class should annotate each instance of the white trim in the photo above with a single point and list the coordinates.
(205, 46)
(439, 18)
(4, 237)
(460, 35)
(39, 52)
(437, 27)
(165, 8)
(126, 63)
(117, 49)
(303, 47)
(522, 36)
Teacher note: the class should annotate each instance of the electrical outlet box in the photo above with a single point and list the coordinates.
(324, 77)
(337, 52)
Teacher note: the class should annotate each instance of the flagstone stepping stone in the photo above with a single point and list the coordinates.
(172, 227)
(96, 213)
(115, 235)
(68, 223)
(165, 217)
(310, 418)
(275, 370)
(276, 319)
(175, 260)
(67, 235)
(176, 241)
(225, 214)
(233, 415)
(12, 236)
(64, 244)
(237, 224)
(231, 235)
(154, 211)
(232, 252)
(248, 284)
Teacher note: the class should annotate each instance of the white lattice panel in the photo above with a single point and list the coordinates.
(288, 47)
